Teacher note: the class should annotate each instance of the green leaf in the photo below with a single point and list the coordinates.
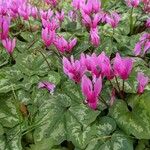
(137, 121)
(45, 144)
(9, 77)
(32, 64)
(9, 116)
(27, 36)
(117, 141)
(29, 81)
(53, 77)
(64, 120)
(13, 141)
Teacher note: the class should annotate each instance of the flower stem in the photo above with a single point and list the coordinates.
(30, 27)
(45, 59)
(123, 86)
(117, 84)
(119, 90)
(104, 102)
(112, 37)
(111, 83)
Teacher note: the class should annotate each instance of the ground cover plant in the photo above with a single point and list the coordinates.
(74, 75)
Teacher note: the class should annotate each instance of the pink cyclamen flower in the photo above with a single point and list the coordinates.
(72, 15)
(94, 37)
(60, 16)
(143, 45)
(113, 19)
(34, 12)
(9, 45)
(96, 4)
(89, 21)
(122, 66)
(46, 15)
(142, 82)
(48, 36)
(63, 45)
(50, 24)
(87, 61)
(137, 49)
(86, 19)
(4, 27)
(3, 9)
(91, 64)
(91, 6)
(146, 6)
(73, 69)
(51, 2)
(71, 45)
(148, 23)
(91, 91)
(13, 8)
(77, 3)
(105, 66)
(132, 3)
(47, 85)
(25, 11)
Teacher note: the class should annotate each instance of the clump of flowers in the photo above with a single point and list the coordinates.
(99, 67)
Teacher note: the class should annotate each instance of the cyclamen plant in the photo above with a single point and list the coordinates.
(74, 74)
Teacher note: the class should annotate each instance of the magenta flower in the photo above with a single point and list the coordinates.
(94, 37)
(13, 8)
(113, 19)
(4, 27)
(34, 12)
(142, 82)
(72, 15)
(60, 16)
(103, 16)
(48, 36)
(146, 6)
(89, 21)
(132, 3)
(50, 24)
(9, 45)
(122, 66)
(47, 85)
(87, 7)
(91, 91)
(105, 66)
(86, 61)
(64, 46)
(137, 49)
(71, 45)
(86, 19)
(46, 15)
(143, 45)
(3, 9)
(25, 11)
(96, 20)
(51, 2)
(96, 4)
(148, 23)
(61, 44)
(77, 3)
(92, 6)
(73, 69)
(91, 64)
